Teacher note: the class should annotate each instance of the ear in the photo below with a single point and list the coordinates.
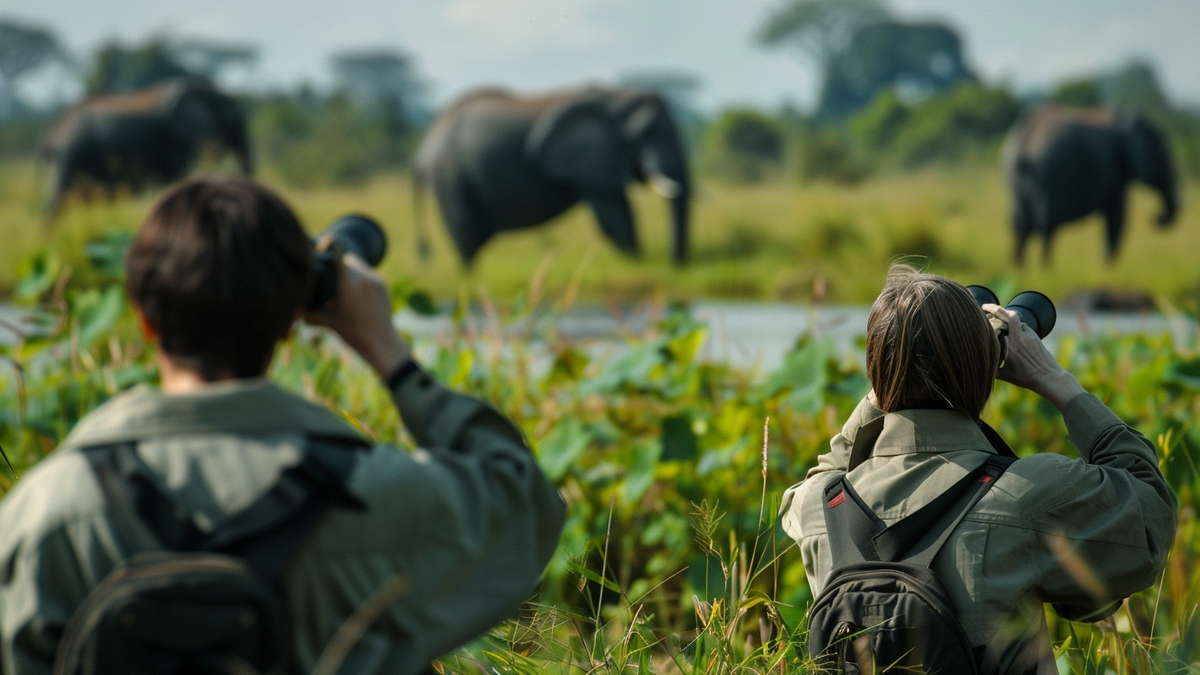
(148, 331)
(642, 117)
(192, 109)
(576, 142)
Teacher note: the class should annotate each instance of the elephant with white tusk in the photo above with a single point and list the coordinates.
(497, 162)
(1063, 164)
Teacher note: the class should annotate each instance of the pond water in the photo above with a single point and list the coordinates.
(745, 334)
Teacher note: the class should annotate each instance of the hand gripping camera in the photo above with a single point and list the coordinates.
(352, 233)
(1035, 310)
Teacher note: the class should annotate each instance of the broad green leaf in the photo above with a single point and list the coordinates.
(643, 458)
(36, 274)
(678, 439)
(108, 254)
(97, 314)
(562, 447)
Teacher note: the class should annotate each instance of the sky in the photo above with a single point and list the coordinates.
(532, 45)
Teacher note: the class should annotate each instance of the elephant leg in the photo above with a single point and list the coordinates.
(466, 220)
(1021, 230)
(616, 220)
(1047, 249)
(1114, 225)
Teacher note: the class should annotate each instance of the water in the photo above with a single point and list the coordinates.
(745, 334)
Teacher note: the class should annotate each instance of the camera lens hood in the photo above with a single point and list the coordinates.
(983, 295)
(360, 235)
(1036, 311)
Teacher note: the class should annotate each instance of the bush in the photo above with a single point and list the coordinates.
(330, 141)
(744, 146)
(942, 127)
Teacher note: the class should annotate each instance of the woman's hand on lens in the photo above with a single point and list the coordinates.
(362, 316)
(1030, 365)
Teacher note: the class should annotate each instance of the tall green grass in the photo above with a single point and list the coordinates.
(671, 560)
(777, 240)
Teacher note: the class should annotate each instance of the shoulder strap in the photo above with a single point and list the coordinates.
(265, 534)
(856, 534)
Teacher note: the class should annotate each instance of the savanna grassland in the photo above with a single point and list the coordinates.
(672, 468)
(766, 241)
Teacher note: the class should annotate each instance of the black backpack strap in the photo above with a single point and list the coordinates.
(265, 534)
(141, 515)
(268, 532)
(977, 482)
(856, 534)
(850, 524)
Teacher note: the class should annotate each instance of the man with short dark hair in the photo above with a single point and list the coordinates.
(219, 274)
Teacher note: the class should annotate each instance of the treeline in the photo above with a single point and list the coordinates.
(896, 95)
(965, 123)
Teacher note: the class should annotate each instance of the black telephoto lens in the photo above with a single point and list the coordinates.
(983, 295)
(353, 233)
(359, 235)
(1036, 311)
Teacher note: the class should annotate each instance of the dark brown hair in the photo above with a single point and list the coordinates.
(929, 345)
(219, 268)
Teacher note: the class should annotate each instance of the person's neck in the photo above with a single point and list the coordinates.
(177, 379)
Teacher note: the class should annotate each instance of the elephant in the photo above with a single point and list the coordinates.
(498, 162)
(152, 135)
(1065, 163)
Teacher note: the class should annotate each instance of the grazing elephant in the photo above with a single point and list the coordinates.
(497, 162)
(152, 135)
(1063, 164)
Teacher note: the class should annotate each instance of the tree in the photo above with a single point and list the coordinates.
(22, 50)
(861, 50)
(821, 29)
(118, 68)
(383, 79)
(917, 59)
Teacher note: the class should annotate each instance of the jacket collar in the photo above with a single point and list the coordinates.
(933, 431)
(235, 407)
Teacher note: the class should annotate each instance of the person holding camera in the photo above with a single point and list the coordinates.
(917, 483)
(425, 550)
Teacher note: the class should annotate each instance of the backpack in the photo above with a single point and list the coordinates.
(193, 597)
(883, 609)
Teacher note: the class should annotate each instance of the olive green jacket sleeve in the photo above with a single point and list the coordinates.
(462, 528)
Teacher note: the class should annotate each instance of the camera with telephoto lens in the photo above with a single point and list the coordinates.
(353, 233)
(1034, 309)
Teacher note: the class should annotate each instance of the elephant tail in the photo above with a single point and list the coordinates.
(419, 186)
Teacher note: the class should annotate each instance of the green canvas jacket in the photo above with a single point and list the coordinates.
(467, 521)
(1078, 533)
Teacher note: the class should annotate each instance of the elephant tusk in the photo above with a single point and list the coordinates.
(667, 187)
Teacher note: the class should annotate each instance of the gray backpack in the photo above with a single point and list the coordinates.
(883, 610)
(194, 600)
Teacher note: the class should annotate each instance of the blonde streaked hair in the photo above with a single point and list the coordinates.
(929, 345)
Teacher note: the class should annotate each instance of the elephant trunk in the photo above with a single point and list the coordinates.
(665, 168)
(1170, 197)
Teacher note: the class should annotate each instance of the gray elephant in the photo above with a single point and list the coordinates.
(152, 135)
(497, 162)
(1064, 163)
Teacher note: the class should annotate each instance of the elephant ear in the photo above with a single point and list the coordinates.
(192, 109)
(577, 142)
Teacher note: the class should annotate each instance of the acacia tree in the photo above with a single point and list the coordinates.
(820, 29)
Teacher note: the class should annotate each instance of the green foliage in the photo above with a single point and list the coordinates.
(743, 146)
(672, 468)
(945, 126)
(315, 140)
(1078, 93)
(121, 68)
